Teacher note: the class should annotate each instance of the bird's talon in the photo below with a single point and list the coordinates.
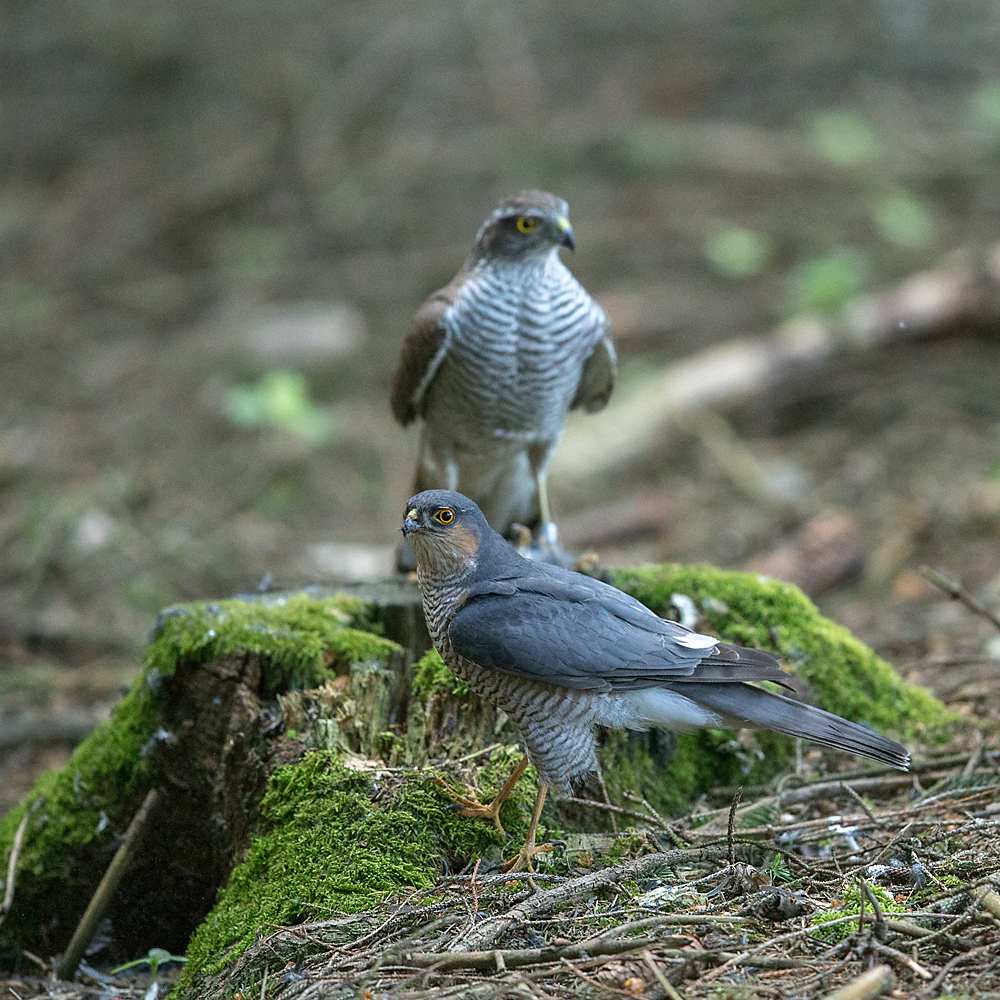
(522, 860)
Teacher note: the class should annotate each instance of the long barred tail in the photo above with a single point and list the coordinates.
(763, 710)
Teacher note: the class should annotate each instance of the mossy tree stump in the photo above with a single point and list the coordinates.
(285, 735)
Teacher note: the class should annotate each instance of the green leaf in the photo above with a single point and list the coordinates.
(985, 109)
(738, 252)
(844, 138)
(904, 220)
(280, 400)
(829, 282)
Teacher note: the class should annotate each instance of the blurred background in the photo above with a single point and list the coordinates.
(217, 219)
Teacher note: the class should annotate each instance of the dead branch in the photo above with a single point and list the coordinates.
(106, 889)
(958, 593)
(551, 900)
(726, 373)
(873, 983)
(15, 855)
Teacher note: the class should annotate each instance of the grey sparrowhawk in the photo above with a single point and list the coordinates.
(561, 653)
(495, 360)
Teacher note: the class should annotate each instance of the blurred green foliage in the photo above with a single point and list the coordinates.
(984, 112)
(829, 282)
(280, 400)
(843, 138)
(737, 252)
(903, 219)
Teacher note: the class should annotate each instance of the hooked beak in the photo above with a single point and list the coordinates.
(568, 240)
(410, 524)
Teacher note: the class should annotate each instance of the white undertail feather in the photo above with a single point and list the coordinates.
(647, 707)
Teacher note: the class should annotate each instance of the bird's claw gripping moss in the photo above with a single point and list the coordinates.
(470, 806)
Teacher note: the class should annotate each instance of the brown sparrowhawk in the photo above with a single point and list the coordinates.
(495, 360)
(561, 653)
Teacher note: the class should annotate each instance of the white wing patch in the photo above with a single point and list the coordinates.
(695, 640)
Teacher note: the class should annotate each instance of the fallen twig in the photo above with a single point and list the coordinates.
(987, 950)
(15, 855)
(614, 810)
(106, 889)
(561, 896)
(956, 592)
(873, 983)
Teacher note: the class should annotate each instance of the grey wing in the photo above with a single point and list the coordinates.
(591, 636)
(423, 350)
(598, 377)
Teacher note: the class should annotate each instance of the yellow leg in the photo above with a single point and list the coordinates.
(522, 862)
(543, 497)
(471, 806)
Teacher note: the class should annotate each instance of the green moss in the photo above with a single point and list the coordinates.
(431, 676)
(852, 905)
(302, 637)
(335, 839)
(86, 805)
(71, 837)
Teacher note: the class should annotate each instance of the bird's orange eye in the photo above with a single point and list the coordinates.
(526, 224)
(446, 515)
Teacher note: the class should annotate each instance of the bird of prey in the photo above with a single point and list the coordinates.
(495, 360)
(561, 653)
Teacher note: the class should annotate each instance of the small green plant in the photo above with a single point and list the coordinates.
(779, 870)
(280, 400)
(843, 138)
(829, 282)
(153, 958)
(850, 906)
(903, 219)
(737, 252)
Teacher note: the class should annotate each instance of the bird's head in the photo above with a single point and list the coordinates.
(528, 223)
(445, 530)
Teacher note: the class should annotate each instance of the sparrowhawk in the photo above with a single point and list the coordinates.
(561, 653)
(495, 360)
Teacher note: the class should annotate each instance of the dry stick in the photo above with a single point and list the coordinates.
(898, 956)
(957, 593)
(985, 950)
(977, 755)
(987, 899)
(15, 855)
(732, 824)
(923, 934)
(102, 896)
(614, 810)
(553, 900)
(879, 918)
(665, 984)
(860, 801)
(873, 983)
(513, 958)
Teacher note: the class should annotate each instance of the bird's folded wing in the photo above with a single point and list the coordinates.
(597, 380)
(423, 350)
(584, 634)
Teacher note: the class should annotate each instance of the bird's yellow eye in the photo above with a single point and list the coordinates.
(446, 515)
(526, 224)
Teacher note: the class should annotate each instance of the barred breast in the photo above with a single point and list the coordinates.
(518, 340)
